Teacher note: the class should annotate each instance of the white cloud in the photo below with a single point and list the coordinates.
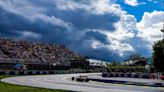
(20, 7)
(116, 43)
(125, 28)
(30, 34)
(153, 1)
(67, 5)
(91, 6)
(116, 46)
(96, 44)
(149, 27)
(52, 20)
(133, 2)
(120, 47)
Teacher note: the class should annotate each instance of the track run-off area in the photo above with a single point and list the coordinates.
(64, 82)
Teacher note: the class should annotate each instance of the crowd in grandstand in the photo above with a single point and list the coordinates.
(32, 51)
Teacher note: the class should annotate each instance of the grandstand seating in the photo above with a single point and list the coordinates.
(34, 55)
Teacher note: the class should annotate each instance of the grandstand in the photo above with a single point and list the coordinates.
(25, 55)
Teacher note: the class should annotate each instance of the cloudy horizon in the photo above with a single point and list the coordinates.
(101, 29)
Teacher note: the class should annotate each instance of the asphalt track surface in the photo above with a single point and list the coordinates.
(150, 82)
(62, 81)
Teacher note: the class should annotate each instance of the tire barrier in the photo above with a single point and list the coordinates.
(7, 73)
(37, 72)
(25, 72)
(144, 76)
(12, 73)
(46, 72)
(41, 72)
(33, 72)
(60, 72)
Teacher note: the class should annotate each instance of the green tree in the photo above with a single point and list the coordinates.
(162, 30)
(115, 63)
(158, 55)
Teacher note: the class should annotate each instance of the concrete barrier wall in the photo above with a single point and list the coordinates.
(125, 75)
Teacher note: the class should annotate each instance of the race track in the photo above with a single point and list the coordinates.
(62, 81)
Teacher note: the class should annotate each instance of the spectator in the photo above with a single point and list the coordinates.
(31, 51)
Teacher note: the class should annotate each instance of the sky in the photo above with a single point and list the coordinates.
(100, 29)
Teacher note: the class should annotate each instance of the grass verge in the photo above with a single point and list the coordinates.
(5, 87)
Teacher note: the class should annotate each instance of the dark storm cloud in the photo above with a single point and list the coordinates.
(140, 46)
(58, 27)
(10, 22)
(89, 21)
(98, 36)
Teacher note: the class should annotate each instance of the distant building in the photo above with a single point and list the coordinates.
(135, 62)
(79, 64)
(97, 65)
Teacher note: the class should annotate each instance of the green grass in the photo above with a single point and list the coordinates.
(4, 87)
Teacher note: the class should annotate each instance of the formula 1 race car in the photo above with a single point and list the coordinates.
(81, 79)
